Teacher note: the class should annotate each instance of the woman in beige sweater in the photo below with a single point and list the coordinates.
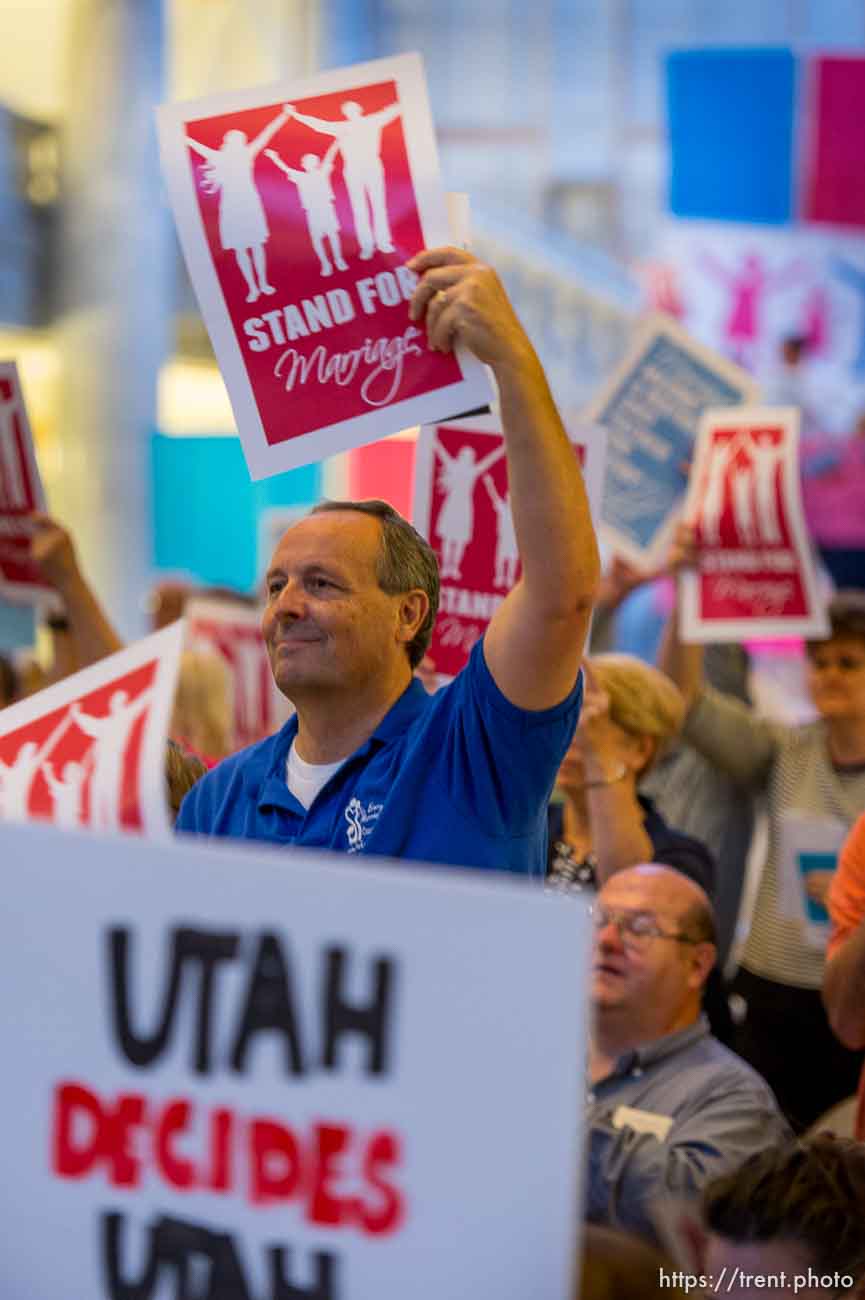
(811, 776)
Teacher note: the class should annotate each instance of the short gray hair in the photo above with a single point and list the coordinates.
(405, 562)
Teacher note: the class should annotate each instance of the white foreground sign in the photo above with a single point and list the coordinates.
(275, 1074)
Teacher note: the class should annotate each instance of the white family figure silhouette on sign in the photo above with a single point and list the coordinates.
(456, 519)
(507, 550)
(67, 792)
(17, 777)
(13, 492)
(111, 734)
(766, 455)
(712, 506)
(15, 781)
(752, 486)
(358, 138)
(742, 493)
(315, 191)
(229, 171)
(104, 761)
(243, 228)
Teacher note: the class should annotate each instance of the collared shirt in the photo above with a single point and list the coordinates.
(460, 777)
(669, 1117)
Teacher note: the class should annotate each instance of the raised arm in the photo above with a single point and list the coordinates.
(534, 643)
(446, 458)
(385, 115)
(265, 136)
(609, 787)
(329, 158)
(274, 157)
(203, 149)
(490, 485)
(51, 780)
(53, 551)
(314, 123)
(722, 728)
(682, 663)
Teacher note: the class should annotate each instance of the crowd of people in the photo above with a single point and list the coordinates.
(631, 782)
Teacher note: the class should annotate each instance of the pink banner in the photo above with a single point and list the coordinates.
(755, 574)
(834, 179)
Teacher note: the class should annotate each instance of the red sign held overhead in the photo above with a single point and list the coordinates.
(462, 506)
(298, 212)
(20, 494)
(755, 574)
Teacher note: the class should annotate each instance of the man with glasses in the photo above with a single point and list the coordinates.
(669, 1107)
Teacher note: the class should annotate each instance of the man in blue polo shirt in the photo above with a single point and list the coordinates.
(371, 763)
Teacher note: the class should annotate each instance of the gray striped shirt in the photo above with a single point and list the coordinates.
(792, 766)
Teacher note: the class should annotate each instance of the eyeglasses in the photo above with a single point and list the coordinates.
(635, 928)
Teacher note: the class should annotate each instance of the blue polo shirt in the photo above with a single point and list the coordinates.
(460, 777)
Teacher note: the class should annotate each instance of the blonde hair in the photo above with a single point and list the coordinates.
(182, 770)
(204, 704)
(643, 701)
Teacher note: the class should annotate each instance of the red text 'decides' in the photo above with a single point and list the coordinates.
(335, 1175)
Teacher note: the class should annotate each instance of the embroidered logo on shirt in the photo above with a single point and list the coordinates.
(360, 823)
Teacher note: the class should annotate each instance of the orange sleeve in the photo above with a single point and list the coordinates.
(847, 891)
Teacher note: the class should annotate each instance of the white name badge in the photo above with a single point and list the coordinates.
(643, 1121)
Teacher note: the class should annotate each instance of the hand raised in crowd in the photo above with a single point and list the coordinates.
(683, 548)
(618, 580)
(463, 301)
(52, 550)
(597, 739)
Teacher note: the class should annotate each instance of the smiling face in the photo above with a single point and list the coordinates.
(653, 983)
(836, 678)
(327, 624)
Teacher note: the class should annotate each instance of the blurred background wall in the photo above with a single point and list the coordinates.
(706, 160)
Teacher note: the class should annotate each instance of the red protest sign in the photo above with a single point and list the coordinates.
(755, 575)
(20, 494)
(90, 751)
(233, 632)
(298, 210)
(462, 507)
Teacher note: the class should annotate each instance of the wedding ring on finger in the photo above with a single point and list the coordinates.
(440, 297)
